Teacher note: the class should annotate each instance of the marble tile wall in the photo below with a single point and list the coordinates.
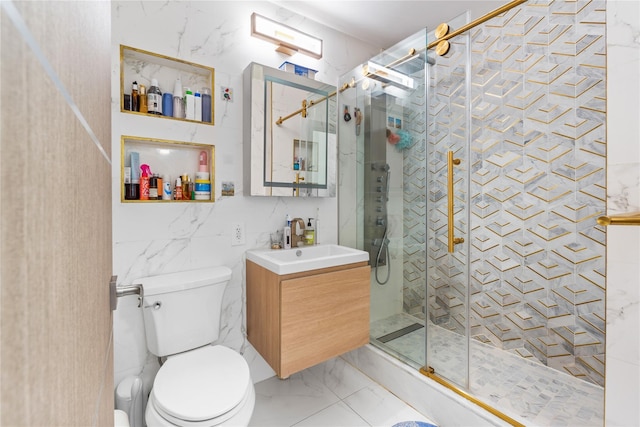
(622, 387)
(156, 239)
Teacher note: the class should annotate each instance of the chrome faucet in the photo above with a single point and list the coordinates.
(297, 232)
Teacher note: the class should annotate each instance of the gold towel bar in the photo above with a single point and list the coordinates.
(623, 219)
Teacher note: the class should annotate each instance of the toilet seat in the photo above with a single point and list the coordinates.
(207, 385)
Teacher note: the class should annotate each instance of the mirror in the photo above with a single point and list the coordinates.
(290, 144)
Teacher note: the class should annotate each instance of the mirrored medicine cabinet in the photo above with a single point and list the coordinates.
(290, 145)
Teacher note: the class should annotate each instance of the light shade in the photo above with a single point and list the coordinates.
(289, 40)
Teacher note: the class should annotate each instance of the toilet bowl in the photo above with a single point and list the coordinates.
(209, 386)
(199, 384)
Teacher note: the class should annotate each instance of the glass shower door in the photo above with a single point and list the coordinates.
(447, 294)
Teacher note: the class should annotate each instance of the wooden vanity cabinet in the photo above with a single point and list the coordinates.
(299, 320)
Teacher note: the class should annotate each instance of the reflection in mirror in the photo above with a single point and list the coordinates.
(290, 134)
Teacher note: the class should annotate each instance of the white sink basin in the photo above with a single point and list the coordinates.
(305, 258)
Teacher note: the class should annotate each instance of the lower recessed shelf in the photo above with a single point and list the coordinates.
(170, 160)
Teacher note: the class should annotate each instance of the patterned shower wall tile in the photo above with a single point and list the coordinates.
(547, 231)
(594, 367)
(596, 191)
(523, 208)
(525, 173)
(576, 212)
(550, 269)
(578, 341)
(505, 336)
(593, 323)
(595, 277)
(551, 312)
(526, 250)
(483, 243)
(524, 283)
(549, 350)
(504, 297)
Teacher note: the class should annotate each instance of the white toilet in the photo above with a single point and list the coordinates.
(199, 384)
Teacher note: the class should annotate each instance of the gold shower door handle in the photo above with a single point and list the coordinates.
(452, 241)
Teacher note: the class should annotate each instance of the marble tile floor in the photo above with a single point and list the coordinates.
(529, 392)
(331, 394)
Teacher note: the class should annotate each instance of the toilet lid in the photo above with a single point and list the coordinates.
(201, 384)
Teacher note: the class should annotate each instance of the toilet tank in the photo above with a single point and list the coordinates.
(182, 310)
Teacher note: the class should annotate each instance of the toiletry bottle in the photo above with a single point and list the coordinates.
(178, 189)
(128, 194)
(135, 175)
(287, 234)
(166, 188)
(186, 194)
(178, 101)
(309, 233)
(153, 187)
(198, 107)
(154, 98)
(167, 104)
(203, 162)
(134, 97)
(317, 230)
(206, 105)
(142, 99)
(189, 105)
(159, 185)
(144, 182)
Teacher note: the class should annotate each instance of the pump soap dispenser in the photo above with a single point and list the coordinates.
(309, 234)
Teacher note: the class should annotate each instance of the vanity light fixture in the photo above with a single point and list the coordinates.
(289, 40)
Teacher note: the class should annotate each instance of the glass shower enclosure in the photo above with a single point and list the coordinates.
(477, 206)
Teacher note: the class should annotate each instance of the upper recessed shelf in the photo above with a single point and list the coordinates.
(142, 66)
